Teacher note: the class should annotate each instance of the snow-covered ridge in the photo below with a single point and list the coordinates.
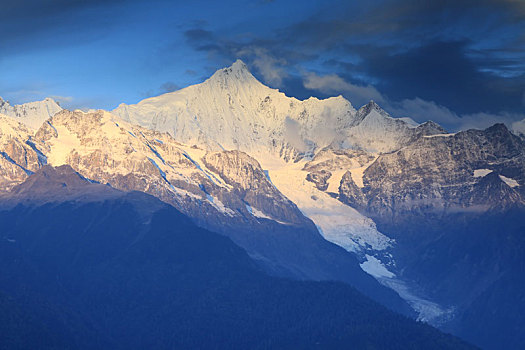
(232, 110)
(12, 128)
(103, 147)
(32, 114)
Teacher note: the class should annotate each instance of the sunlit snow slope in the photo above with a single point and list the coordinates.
(233, 110)
(337, 222)
(32, 114)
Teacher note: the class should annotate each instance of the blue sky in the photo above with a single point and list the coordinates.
(461, 63)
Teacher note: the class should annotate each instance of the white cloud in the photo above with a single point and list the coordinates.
(519, 127)
(334, 84)
(421, 110)
(484, 120)
(24, 95)
(418, 109)
(62, 100)
(271, 68)
(292, 133)
(325, 131)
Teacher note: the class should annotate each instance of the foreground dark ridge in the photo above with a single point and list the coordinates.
(101, 271)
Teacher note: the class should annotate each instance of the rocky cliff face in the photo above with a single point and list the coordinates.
(454, 203)
(429, 195)
(212, 188)
(390, 169)
(108, 150)
(329, 165)
(250, 184)
(469, 171)
(18, 155)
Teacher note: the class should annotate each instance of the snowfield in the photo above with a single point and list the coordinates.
(337, 222)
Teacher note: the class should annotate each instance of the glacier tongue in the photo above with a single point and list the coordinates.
(337, 222)
(346, 227)
(428, 311)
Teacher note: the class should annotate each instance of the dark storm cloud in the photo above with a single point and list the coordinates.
(398, 21)
(483, 36)
(494, 30)
(166, 87)
(442, 71)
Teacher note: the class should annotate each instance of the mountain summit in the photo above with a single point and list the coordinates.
(32, 114)
(238, 71)
(233, 110)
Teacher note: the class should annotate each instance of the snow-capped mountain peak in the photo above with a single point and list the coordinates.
(370, 107)
(232, 110)
(32, 114)
(238, 71)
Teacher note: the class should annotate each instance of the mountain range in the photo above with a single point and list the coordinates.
(428, 223)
